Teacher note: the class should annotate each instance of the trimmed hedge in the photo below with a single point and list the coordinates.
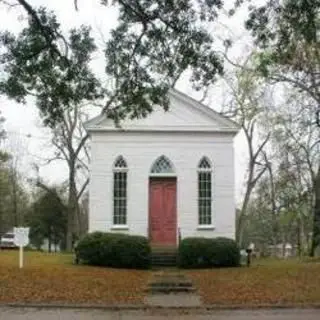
(114, 250)
(207, 253)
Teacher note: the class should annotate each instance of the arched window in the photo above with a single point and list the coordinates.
(204, 192)
(162, 166)
(120, 169)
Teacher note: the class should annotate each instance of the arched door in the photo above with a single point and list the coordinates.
(163, 203)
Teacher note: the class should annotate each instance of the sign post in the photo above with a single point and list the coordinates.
(20, 257)
(21, 239)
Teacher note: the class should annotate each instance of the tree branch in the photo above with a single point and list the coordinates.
(261, 146)
(81, 144)
(45, 31)
(296, 83)
(259, 175)
(10, 5)
(84, 186)
(61, 149)
(83, 164)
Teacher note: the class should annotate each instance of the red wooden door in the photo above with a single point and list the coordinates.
(163, 213)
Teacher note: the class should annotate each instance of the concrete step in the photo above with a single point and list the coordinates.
(170, 285)
(163, 262)
(164, 256)
(170, 263)
(174, 289)
(176, 299)
(164, 253)
(169, 282)
(164, 249)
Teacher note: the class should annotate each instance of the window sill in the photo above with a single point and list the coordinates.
(206, 227)
(120, 227)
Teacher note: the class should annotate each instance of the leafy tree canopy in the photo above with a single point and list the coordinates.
(32, 67)
(152, 45)
(288, 33)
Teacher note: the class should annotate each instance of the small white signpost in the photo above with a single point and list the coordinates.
(21, 239)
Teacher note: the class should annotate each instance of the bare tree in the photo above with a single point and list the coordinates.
(272, 192)
(16, 147)
(71, 147)
(71, 143)
(298, 141)
(3, 175)
(247, 107)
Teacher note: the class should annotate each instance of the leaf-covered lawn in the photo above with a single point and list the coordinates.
(283, 282)
(53, 278)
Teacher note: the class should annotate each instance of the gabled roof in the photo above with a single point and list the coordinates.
(184, 114)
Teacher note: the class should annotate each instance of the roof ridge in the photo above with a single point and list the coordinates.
(223, 123)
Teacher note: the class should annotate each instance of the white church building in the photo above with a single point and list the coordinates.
(166, 176)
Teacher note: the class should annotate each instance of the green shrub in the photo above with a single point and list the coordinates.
(114, 250)
(208, 253)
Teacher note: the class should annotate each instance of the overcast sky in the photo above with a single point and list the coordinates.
(22, 121)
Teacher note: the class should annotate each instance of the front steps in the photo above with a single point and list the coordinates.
(171, 288)
(168, 286)
(170, 282)
(163, 256)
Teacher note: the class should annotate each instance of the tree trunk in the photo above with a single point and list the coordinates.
(55, 242)
(15, 202)
(284, 242)
(73, 225)
(241, 219)
(316, 216)
(273, 252)
(70, 229)
(299, 238)
(1, 219)
(275, 226)
(78, 216)
(49, 243)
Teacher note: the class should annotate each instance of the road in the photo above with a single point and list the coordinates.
(85, 314)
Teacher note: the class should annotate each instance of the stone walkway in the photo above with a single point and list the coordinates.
(173, 300)
(85, 314)
(171, 288)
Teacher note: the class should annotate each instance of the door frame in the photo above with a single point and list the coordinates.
(162, 178)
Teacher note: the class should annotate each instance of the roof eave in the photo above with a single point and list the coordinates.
(162, 129)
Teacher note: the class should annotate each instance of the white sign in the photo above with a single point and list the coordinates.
(21, 239)
(21, 236)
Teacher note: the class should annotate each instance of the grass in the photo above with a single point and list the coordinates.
(268, 281)
(52, 278)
